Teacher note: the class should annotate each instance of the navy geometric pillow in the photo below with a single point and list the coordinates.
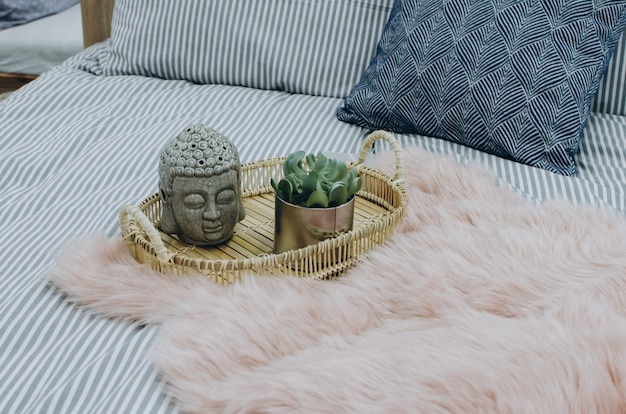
(512, 78)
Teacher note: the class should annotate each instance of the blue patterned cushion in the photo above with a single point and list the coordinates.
(512, 78)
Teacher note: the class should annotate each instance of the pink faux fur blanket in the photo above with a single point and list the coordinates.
(480, 302)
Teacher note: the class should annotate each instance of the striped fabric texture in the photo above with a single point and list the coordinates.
(611, 96)
(315, 47)
(514, 79)
(601, 178)
(76, 146)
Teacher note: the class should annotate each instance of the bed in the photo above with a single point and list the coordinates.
(83, 139)
(31, 48)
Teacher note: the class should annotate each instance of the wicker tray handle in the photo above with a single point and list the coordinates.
(144, 222)
(395, 146)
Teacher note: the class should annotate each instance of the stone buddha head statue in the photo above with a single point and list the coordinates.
(200, 186)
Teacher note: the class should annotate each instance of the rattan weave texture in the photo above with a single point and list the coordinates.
(379, 207)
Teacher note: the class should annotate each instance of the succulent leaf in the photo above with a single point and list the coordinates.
(285, 187)
(279, 192)
(320, 161)
(314, 180)
(340, 171)
(355, 186)
(309, 184)
(338, 194)
(293, 164)
(310, 160)
(317, 199)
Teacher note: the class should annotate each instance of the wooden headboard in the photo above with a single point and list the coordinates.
(96, 15)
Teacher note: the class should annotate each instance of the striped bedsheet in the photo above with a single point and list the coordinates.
(601, 162)
(77, 145)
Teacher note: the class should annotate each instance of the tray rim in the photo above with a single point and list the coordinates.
(138, 231)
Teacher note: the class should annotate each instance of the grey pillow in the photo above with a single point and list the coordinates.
(16, 12)
(315, 47)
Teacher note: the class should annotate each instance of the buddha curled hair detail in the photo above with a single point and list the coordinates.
(198, 151)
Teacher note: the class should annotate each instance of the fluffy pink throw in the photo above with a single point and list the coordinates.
(480, 302)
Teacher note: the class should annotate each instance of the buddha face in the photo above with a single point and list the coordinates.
(206, 209)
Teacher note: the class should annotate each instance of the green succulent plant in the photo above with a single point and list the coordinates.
(318, 182)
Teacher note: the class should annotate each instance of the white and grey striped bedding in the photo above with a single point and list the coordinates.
(317, 47)
(601, 179)
(611, 95)
(77, 145)
(75, 148)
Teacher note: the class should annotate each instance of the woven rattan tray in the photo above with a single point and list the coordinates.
(379, 206)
